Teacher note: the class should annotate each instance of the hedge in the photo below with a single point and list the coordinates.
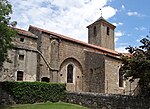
(31, 92)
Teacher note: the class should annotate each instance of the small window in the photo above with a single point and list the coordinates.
(94, 31)
(70, 73)
(120, 79)
(45, 79)
(19, 76)
(108, 30)
(91, 71)
(21, 57)
(22, 39)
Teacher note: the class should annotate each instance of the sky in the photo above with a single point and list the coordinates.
(71, 17)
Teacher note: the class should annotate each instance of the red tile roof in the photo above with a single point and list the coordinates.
(101, 19)
(26, 33)
(104, 50)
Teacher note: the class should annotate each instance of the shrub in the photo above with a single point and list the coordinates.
(31, 92)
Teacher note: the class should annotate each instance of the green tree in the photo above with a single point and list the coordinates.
(6, 31)
(137, 65)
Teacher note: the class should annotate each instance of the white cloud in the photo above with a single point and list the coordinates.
(123, 7)
(122, 49)
(130, 13)
(140, 28)
(118, 34)
(108, 12)
(67, 17)
(118, 24)
(129, 34)
(115, 24)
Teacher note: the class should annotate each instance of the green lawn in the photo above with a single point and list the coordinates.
(58, 105)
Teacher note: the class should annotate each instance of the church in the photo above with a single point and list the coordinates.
(45, 56)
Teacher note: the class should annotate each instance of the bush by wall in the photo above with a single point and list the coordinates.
(31, 92)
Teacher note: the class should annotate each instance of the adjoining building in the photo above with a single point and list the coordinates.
(41, 55)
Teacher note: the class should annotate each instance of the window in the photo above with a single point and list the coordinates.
(94, 31)
(91, 72)
(22, 39)
(45, 79)
(19, 76)
(70, 73)
(120, 79)
(108, 30)
(21, 57)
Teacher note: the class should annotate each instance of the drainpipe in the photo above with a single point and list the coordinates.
(50, 68)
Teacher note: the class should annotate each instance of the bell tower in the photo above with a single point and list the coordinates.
(101, 33)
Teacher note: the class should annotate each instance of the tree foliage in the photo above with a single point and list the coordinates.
(137, 65)
(6, 32)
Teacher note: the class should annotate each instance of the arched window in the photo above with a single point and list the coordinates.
(120, 79)
(94, 31)
(108, 30)
(70, 73)
(19, 76)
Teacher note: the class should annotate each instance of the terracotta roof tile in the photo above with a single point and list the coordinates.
(101, 19)
(104, 50)
(26, 33)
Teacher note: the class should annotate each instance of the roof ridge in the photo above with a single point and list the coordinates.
(77, 41)
(25, 32)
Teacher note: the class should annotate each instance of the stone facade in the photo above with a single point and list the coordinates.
(51, 57)
(23, 58)
(101, 33)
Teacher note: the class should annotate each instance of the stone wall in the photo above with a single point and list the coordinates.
(25, 47)
(95, 72)
(108, 101)
(94, 100)
(27, 65)
(100, 36)
(112, 67)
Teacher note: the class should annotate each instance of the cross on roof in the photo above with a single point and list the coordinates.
(101, 12)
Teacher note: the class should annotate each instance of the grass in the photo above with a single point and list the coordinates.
(58, 105)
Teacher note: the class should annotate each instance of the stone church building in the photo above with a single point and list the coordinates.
(41, 55)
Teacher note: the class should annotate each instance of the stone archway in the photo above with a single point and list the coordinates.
(76, 69)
